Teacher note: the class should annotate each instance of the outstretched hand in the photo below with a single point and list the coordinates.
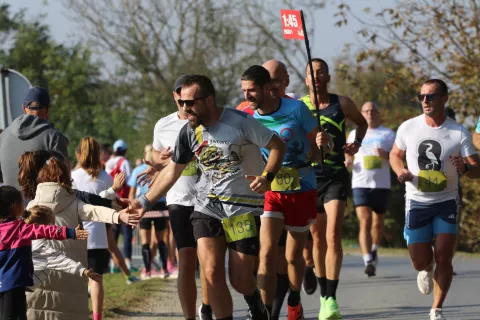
(81, 234)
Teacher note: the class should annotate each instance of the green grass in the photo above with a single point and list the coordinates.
(121, 298)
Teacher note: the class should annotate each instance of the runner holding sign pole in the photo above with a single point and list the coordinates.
(293, 25)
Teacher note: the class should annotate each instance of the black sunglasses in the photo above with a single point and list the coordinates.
(430, 97)
(190, 103)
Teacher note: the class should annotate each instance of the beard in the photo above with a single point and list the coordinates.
(255, 103)
(194, 121)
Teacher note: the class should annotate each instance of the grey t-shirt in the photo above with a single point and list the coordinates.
(226, 152)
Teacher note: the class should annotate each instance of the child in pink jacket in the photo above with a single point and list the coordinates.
(16, 266)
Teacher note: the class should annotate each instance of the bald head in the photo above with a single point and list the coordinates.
(371, 114)
(280, 79)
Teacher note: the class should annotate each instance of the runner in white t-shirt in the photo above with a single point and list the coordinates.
(437, 149)
(371, 183)
(180, 203)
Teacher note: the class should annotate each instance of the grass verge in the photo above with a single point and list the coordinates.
(122, 299)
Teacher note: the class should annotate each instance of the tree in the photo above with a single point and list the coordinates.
(432, 38)
(69, 74)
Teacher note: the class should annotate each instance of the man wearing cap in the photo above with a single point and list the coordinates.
(29, 132)
(180, 204)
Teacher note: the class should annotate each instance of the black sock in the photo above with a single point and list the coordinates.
(255, 300)
(282, 288)
(146, 256)
(226, 318)
(294, 298)
(323, 286)
(206, 309)
(332, 288)
(163, 251)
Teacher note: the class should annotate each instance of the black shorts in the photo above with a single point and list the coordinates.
(98, 260)
(376, 199)
(335, 187)
(13, 304)
(208, 227)
(182, 226)
(159, 223)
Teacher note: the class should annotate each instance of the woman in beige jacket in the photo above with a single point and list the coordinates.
(48, 181)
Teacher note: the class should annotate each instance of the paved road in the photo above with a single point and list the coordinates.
(392, 294)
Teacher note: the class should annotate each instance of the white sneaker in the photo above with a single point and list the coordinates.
(436, 314)
(425, 282)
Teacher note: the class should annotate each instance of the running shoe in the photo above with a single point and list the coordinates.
(370, 269)
(310, 283)
(436, 314)
(295, 313)
(144, 275)
(374, 257)
(203, 314)
(425, 282)
(321, 314)
(133, 269)
(132, 279)
(257, 312)
(331, 309)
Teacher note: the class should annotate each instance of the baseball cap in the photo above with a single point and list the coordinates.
(39, 95)
(119, 145)
(180, 81)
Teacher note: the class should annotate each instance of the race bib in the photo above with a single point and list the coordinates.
(287, 179)
(190, 169)
(372, 162)
(431, 181)
(240, 227)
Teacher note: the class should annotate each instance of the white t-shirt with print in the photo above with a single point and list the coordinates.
(165, 135)
(125, 167)
(97, 239)
(369, 170)
(428, 152)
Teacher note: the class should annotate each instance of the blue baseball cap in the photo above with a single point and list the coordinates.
(119, 145)
(38, 95)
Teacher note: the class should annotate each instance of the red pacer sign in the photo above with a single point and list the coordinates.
(292, 24)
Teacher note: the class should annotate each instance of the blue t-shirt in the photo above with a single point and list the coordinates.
(292, 122)
(132, 182)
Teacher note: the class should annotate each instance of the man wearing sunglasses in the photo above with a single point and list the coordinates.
(226, 143)
(180, 203)
(437, 149)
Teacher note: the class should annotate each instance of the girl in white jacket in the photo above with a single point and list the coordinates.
(48, 181)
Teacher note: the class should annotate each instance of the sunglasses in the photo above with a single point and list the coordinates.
(190, 103)
(430, 97)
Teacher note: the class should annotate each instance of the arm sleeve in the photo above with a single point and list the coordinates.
(107, 194)
(467, 148)
(41, 231)
(127, 169)
(87, 212)
(94, 199)
(183, 152)
(45, 257)
(308, 120)
(255, 132)
(400, 138)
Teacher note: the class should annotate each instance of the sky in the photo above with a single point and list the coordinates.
(329, 41)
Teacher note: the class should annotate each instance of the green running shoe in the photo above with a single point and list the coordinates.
(321, 314)
(331, 309)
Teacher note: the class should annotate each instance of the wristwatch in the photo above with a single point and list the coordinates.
(270, 176)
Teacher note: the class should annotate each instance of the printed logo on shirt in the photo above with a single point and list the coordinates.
(429, 153)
